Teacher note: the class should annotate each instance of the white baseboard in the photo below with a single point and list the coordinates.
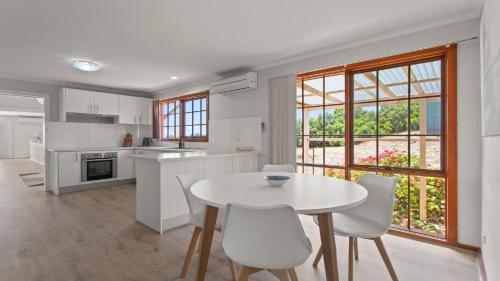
(168, 224)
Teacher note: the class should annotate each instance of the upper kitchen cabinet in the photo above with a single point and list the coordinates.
(87, 102)
(135, 110)
(128, 110)
(77, 101)
(145, 111)
(106, 104)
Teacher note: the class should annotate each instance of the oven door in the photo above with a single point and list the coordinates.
(99, 169)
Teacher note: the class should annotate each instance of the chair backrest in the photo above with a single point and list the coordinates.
(270, 237)
(186, 181)
(287, 168)
(379, 205)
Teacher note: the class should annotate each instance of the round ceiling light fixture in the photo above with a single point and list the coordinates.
(174, 77)
(87, 66)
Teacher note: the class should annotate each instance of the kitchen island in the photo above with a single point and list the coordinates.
(160, 201)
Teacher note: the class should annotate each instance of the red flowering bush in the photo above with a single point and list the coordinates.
(408, 191)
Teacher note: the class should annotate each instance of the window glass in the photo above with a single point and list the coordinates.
(184, 118)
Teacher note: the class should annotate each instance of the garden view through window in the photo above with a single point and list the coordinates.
(388, 120)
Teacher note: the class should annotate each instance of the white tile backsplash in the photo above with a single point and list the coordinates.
(89, 135)
(227, 134)
(224, 135)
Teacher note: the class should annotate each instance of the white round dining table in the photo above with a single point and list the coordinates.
(307, 194)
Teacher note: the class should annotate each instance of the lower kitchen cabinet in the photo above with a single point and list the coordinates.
(126, 168)
(69, 165)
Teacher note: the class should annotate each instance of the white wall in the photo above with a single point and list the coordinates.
(256, 102)
(19, 104)
(491, 206)
(491, 144)
(16, 135)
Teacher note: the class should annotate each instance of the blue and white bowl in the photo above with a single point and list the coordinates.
(276, 181)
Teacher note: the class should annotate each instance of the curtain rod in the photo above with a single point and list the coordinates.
(465, 40)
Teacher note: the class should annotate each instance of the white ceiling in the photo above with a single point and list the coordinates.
(142, 43)
(11, 103)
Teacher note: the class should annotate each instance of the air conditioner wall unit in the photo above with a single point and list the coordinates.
(235, 84)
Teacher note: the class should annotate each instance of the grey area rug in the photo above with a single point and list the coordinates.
(32, 179)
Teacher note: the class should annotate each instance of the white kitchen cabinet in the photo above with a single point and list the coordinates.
(77, 101)
(160, 202)
(126, 168)
(145, 108)
(128, 110)
(69, 169)
(218, 166)
(244, 163)
(135, 110)
(105, 104)
(88, 102)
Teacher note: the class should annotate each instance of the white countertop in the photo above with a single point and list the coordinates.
(191, 154)
(154, 148)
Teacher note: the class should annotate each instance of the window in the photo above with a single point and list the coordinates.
(391, 116)
(184, 118)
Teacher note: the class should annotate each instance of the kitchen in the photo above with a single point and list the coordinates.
(105, 140)
(194, 140)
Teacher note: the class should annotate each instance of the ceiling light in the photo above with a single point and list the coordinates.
(174, 77)
(86, 65)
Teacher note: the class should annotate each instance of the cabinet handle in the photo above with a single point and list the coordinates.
(140, 119)
(97, 108)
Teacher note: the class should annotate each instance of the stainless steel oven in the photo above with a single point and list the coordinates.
(99, 166)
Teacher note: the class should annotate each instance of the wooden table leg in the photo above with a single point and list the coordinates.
(328, 245)
(206, 240)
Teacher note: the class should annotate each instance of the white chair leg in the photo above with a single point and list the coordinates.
(385, 257)
(351, 258)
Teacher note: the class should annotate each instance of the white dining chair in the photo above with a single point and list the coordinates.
(268, 238)
(370, 220)
(287, 168)
(196, 218)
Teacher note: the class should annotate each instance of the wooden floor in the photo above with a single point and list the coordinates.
(93, 235)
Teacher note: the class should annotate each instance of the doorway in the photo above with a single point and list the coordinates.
(22, 142)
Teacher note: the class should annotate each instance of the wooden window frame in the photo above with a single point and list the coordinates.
(182, 100)
(448, 55)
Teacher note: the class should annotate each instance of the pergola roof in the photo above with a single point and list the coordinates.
(425, 80)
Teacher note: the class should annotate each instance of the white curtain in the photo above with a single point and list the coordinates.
(283, 130)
